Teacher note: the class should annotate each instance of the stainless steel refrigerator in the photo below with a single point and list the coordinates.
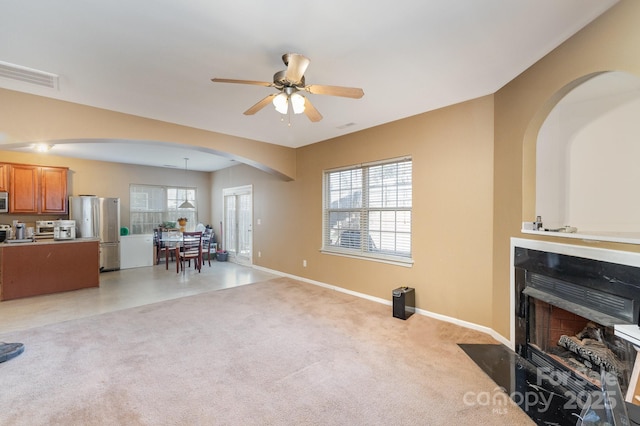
(98, 217)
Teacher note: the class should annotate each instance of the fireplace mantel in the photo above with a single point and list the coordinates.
(612, 237)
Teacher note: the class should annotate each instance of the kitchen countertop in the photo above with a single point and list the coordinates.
(46, 241)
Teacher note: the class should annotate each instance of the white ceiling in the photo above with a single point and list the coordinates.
(155, 59)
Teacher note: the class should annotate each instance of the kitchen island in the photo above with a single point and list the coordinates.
(45, 267)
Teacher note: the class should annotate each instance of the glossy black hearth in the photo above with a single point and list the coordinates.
(539, 392)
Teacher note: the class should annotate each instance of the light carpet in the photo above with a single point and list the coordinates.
(278, 352)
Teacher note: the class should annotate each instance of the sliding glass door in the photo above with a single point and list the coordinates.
(238, 223)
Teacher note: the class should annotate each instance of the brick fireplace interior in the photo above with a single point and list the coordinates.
(579, 345)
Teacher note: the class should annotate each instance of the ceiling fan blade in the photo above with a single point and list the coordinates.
(261, 104)
(230, 80)
(311, 112)
(296, 66)
(346, 92)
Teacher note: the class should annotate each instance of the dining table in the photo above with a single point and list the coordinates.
(172, 240)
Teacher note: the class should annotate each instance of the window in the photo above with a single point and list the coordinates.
(151, 206)
(367, 210)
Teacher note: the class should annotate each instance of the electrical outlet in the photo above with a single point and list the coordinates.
(304, 263)
(259, 254)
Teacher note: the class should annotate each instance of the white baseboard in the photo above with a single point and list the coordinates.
(486, 330)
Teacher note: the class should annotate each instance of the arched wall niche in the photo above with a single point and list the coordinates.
(581, 158)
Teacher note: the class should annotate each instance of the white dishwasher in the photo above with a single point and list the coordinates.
(136, 251)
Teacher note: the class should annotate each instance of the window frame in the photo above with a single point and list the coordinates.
(330, 242)
(165, 212)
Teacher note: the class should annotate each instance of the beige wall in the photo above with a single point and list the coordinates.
(452, 151)
(609, 44)
(106, 179)
(473, 178)
(274, 204)
(25, 119)
(474, 184)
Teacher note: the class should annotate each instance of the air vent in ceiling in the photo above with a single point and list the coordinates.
(344, 126)
(28, 75)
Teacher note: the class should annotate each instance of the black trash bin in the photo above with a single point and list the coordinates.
(404, 302)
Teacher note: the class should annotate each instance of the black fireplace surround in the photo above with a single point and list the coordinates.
(601, 293)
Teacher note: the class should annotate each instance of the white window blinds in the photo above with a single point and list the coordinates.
(152, 206)
(367, 210)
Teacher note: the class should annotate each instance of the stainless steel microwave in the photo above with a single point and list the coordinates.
(4, 202)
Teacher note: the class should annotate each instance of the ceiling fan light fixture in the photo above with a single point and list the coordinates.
(290, 81)
(297, 103)
(281, 103)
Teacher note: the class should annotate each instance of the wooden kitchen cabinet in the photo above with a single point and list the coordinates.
(53, 190)
(36, 189)
(4, 177)
(23, 189)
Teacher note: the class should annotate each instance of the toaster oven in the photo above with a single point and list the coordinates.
(44, 229)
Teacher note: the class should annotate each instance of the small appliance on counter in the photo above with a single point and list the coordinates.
(64, 230)
(5, 232)
(44, 229)
(20, 231)
(16, 233)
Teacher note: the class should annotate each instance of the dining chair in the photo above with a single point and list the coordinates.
(207, 241)
(160, 246)
(191, 248)
(169, 240)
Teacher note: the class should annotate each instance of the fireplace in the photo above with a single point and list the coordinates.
(566, 308)
(570, 359)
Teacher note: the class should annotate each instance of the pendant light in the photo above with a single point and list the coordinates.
(186, 204)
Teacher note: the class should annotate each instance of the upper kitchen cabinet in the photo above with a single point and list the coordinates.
(35, 189)
(23, 189)
(53, 190)
(4, 177)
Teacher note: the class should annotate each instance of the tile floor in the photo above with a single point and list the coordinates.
(124, 289)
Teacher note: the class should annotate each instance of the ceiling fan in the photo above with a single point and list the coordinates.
(291, 81)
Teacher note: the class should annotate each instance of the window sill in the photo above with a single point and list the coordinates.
(391, 260)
